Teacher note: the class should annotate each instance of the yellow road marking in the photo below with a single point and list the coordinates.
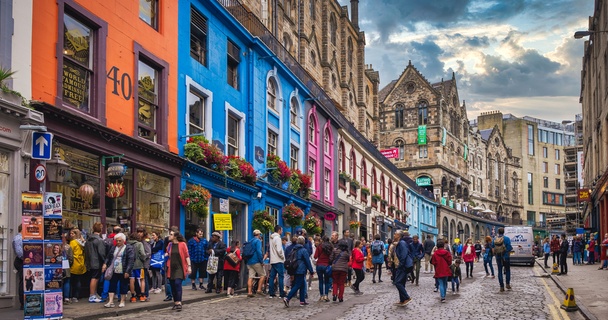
(556, 310)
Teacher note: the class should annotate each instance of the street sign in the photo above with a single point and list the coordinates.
(41, 145)
(40, 173)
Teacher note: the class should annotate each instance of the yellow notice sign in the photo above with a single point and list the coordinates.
(222, 221)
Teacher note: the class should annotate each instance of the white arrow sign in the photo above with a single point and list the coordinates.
(41, 142)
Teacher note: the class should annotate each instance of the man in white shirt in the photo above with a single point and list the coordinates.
(277, 262)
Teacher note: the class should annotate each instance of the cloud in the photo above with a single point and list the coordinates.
(556, 108)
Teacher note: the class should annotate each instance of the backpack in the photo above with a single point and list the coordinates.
(499, 246)
(377, 247)
(292, 262)
(248, 250)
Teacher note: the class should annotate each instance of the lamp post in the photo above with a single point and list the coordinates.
(582, 34)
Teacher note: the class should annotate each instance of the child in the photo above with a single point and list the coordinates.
(456, 276)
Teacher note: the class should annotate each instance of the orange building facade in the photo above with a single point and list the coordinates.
(104, 73)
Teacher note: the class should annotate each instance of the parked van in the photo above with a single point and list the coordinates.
(522, 240)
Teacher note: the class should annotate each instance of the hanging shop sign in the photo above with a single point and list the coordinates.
(392, 153)
(329, 216)
(422, 135)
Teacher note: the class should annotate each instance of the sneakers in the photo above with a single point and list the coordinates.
(286, 302)
(94, 299)
(74, 300)
(168, 299)
(408, 300)
(353, 288)
(109, 305)
(202, 287)
(143, 299)
(442, 300)
(303, 304)
(502, 289)
(435, 290)
(121, 305)
(133, 299)
(66, 301)
(194, 287)
(271, 296)
(508, 287)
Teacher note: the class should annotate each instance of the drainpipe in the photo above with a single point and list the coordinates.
(250, 106)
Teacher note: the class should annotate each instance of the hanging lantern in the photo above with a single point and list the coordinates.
(115, 190)
(116, 170)
(86, 192)
(57, 168)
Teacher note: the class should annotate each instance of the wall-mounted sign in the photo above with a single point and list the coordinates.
(259, 154)
(330, 216)
(222, 221)
(424, 181)
(40, 172)
(584, 195)
(422, 135)
(392, 153)
(224, 205)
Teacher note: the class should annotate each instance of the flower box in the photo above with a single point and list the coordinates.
(199, 150)
(239, 169)
(277, 169)
(292, 215)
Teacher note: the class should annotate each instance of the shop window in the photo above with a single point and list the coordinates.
(148, 12)
(153, 201)
(198, 37)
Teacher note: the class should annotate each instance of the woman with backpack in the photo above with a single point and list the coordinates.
(340, 258)
(487, 257)
(357, 262)
(322, 254)
(300, 260)
(377, 257)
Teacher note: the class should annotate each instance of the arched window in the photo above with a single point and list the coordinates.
(363, 173)
(287, 43)
(312, 129)
(294, 111)
(313, 13)
(341, 158)
(350, 51)
(401, 147)
(382, 188)
(404, 199)
(353, 164)
(373, 182)
(271, 94)
(333, 27)
(367, 128)
(390, 193)
(399, 113)
(326, 140)
(397, 198)
(423, 113)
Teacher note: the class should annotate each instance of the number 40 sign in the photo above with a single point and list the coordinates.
(126, 85)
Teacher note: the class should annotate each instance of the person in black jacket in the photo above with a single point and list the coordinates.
(121, 259)
(94, 255)
(219, 250)
(563, 255)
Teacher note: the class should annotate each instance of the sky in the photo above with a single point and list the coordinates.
(515, 56)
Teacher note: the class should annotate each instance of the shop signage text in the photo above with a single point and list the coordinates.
(392, 153)
(222, 221)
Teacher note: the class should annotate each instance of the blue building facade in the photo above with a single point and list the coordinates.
(234, 92)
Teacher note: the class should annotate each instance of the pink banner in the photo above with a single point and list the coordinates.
(391, 153)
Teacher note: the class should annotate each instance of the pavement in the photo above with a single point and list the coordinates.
(589, 286)
(533, 296)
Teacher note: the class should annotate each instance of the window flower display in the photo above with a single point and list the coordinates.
(277, 168)
(199, 150)
(239, 169)
(195, 199)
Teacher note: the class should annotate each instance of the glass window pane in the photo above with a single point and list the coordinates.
(77, 40)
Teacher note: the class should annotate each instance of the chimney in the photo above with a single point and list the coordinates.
(354, 12)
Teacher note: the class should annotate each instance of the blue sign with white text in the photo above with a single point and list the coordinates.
(41, 145)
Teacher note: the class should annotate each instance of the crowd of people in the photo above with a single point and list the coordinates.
(130, 267)
(583, 252)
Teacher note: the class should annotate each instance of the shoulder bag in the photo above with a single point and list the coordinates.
(328, 270)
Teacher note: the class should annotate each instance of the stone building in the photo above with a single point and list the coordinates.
(429, 127)
(321, 36)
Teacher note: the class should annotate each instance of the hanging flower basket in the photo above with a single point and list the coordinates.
(262, 221)
(239, 169)
(196, 200)
(312, 224)
(115, 190)
(292, 215)
(354, 225)
(201, 151)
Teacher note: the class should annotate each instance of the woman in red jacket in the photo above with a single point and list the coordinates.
(468, 255)
(231, 272)
(358, 260)
(322, 254)
(442, 260)
(178, 266)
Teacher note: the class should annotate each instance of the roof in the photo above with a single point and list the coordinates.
(485, 134)
(443, 87)
(386, 90)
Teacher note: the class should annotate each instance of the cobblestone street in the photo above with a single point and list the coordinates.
(532, 297)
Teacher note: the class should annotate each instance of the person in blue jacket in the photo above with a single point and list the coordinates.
(255, 265)
(299, 282)
(503, 260)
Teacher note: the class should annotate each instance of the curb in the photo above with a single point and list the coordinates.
(143, 307)
(581, 308)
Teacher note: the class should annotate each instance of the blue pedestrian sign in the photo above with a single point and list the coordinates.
(41, 145)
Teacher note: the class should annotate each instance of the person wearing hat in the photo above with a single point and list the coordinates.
(255, 265)
(219, 250)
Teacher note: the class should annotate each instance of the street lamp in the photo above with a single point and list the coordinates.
(581, 34)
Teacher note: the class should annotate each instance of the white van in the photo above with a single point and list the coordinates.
(522, 240)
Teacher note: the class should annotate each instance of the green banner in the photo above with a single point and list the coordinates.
(422, 135)
(423, 181)
(466, 152)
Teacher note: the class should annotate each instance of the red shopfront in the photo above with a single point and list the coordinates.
(151, 182)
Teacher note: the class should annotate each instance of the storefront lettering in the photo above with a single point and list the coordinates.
(75, 84)
(72, 199)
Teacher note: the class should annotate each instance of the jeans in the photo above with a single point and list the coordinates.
(146, 291)
(119, 282)
(416, 271)
(546, 259)
(455, 284)
(67, 293)
(168, 290)
(556, 257)
(400, 279)
(605, 264)
(591, 257)
(576, 258)
(563, 263)
(377, 268)
(299, 283)
(504, 262)
(469, 266)
(323, 280)
(75, 283)
(277, 269)
(488, 263)
(443, 285)
(360, 277)
(176, 289)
